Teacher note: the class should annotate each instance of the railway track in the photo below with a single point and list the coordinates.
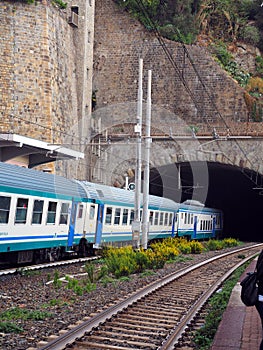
(155, 317)
(14, 270)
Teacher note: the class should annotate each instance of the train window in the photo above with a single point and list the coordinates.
(64, 212)
(151, 217)
(92, 212)
(170, 219)
(108, 215)
(156, 218)
(37, 212)
(117, 216)
(51, 214)
(140, 214)
(131, 216)
(165, 219)
(161, 219)
(125, 216)
(192, 219)
(21, 210)
(4, 209)
(80, 211)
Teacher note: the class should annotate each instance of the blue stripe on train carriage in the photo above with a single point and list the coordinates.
(173, 225)
(214, 228)
(99, 225)
(71, 231)
(195, 226)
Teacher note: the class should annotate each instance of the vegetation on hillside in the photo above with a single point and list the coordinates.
(184, 20)
(61, 4)
(223, 24)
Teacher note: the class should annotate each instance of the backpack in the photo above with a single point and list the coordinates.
(249, 289)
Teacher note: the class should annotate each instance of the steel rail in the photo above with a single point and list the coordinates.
(177, 333)
(45, 265)
(79, 331)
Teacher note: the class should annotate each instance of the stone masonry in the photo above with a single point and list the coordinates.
(49, 68)
(189, 92)
(46, 70)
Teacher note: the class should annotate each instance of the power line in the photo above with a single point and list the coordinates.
(152, 25)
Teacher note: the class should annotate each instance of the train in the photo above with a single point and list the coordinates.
(46, 217)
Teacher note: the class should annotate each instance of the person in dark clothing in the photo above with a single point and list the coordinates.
(259, 304)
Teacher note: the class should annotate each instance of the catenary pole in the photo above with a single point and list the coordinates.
(136, 225)
(146, 177)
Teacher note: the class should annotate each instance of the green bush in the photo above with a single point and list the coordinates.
(126, 261)
(196, 247)
(9, 327)
(17, 313)
(251, 35)
(259, 66)
(156, 259)
(121, 261)
(167, 248)
(213, 244)
(230, 242)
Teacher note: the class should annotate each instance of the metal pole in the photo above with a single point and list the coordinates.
(146, 177)
(136, 225)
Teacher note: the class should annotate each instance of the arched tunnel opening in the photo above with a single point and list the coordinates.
(234, 190)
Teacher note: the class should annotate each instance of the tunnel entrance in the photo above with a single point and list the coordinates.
(222, 186)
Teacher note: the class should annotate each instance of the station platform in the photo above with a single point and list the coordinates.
(240, 327)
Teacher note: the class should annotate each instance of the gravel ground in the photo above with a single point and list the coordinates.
(33, 291)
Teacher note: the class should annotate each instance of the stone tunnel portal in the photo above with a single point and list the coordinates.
(226, 187)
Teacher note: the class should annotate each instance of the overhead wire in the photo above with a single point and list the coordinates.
(153, 26)
(163, 45)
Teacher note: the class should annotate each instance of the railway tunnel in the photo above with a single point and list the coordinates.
(226, 187)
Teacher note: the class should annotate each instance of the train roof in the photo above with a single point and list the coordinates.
(114, 195)
(16, 178)
(23, 180)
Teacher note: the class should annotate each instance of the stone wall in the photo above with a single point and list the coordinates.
(46, 70)
(188, 89)
(199, 93)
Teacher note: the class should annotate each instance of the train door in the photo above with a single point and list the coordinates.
(91, 220)
(99, 226)
(175, 225)
(195, 226)
(214, 227)
(72, 222)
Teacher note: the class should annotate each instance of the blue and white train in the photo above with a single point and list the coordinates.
(45, 216)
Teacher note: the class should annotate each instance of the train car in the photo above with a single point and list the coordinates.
(38, 214)
(45, 216)
(195, 221)
(116, 214)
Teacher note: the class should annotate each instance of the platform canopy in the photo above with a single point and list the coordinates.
(37, 152)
